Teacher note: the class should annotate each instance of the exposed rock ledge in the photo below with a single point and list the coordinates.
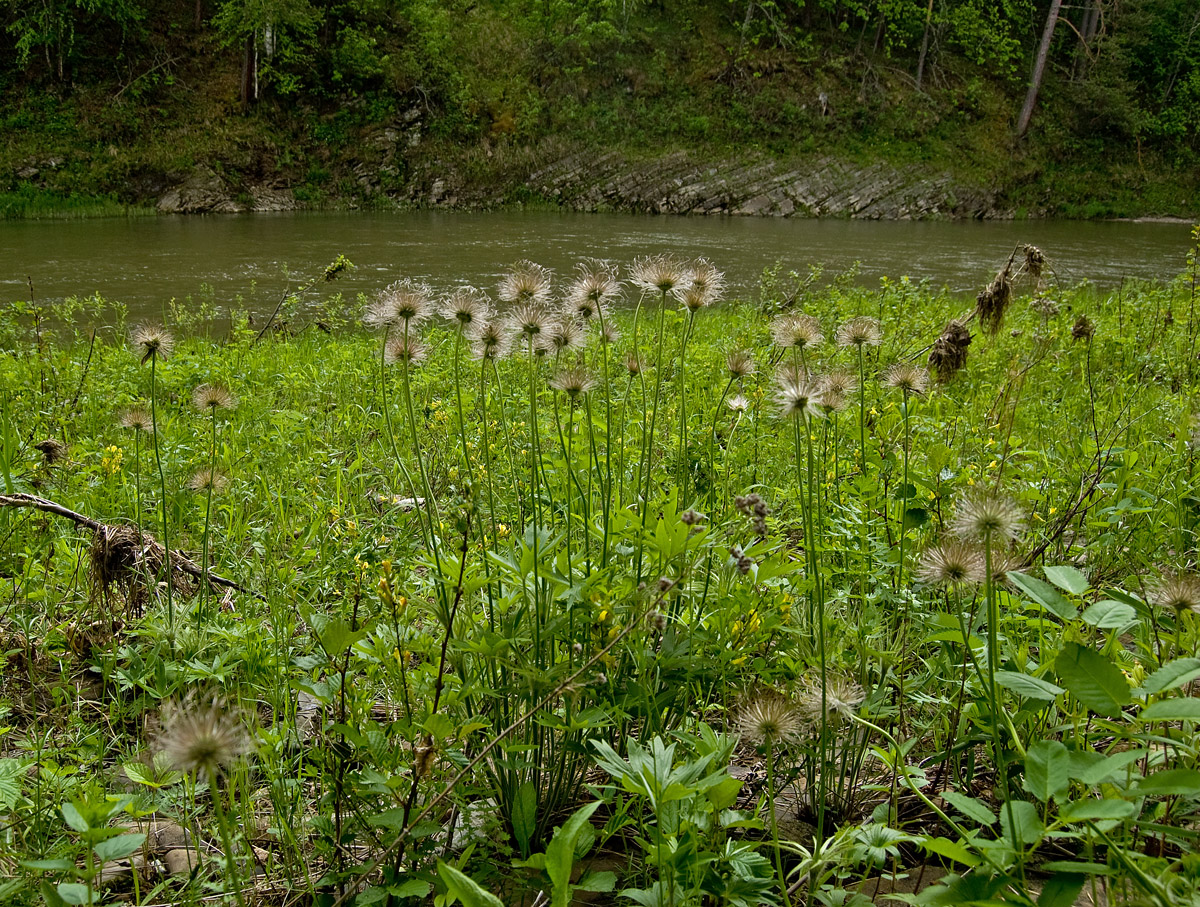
(754, 185)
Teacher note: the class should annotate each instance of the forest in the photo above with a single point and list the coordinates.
(1065, 106)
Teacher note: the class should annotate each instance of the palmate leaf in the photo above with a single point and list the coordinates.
(11, 773)
(1092, 679)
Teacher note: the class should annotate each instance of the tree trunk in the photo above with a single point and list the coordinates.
(250, 70)
(1039, 67)
(924, 45)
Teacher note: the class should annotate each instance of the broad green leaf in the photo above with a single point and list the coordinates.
(1109, 615)
(1181, 708)
(393, 818)
(1171, 782)
(74, 893)
(462, 887)
(119, 847)
(1092, 679)
(439, 726)
(369, 896)
(74, 818)
(561, 852)
(1029, 687)
(413, 888)
(970, 807)
(1082, 810)
(951, 850)
(915, 518)
(1068, 579)
(1046, 769)
(48, 865)
(1044, 594)
(1091, 869)
(1172, 675)
(1094, 768)
(1061, 889)
(524, 815)
(1026, 825)
(598, 881)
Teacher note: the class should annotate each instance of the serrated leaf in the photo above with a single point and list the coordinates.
(1092, 679)
(970, 807)
(1108, 614)
(1180, 708)
(1029, 687)
(1047, 766)
(1172, 675)
(11, 773)
(119, 847)
(1068, 579)
(1044, 594)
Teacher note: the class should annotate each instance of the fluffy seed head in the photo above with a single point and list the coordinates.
(465, 306)
(859, 332)
(988, 516)
(609, 333)
(152, 341)
(797, 396)
(769, 718)
(137, 418)
(565, 334)
(800, 331)
(707, 280)
(740, 364)
(738, 403)
(664, 274)
(909, 379)
(404, 349)
(836, 388)
(489, 340)
(402, 302)
(1177, 591)
(209, 397)
(952, 563)
(204, 480)
(573, 382)
(633, 364)
(526, 283)
(203, 737)
(842, 699)
(526, 321)
(595, 286)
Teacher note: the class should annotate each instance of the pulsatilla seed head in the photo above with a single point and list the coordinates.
(152, 341)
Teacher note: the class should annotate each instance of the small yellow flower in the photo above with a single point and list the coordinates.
(1053, 510)
(991, 442)
(970, 480)
(873, 411)
(111, 461)
(992, 465)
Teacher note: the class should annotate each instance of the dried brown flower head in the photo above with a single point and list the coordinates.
(52, 450)
(1083, 329)
(949, 352)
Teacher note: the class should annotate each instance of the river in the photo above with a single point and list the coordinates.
(146, 261)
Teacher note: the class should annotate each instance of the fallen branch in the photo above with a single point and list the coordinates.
(179, 560)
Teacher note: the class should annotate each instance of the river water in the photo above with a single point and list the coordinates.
(146, 261)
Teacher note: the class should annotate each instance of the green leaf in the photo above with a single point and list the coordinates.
(970, 807)
(74, 817)
(1093, 768)
(119, 847)
(1068, 579)
(524, 815)
(1029, 687)
(951, 850)
(1092, 679)
(50, 894)
(1083, 810)
(915, 518)
(1044, 594)
(1172, 782)
(561, 852)
(1109, 614)
(462, 887)
(1061, 889)
(413, 888)
(48, 865)
(1026, 823)
(1180, 708)
(598, 881)
(1046, 769)
(1172, 675)
(11, 774)
(439, 726)
(74, 893)
(1092, 869)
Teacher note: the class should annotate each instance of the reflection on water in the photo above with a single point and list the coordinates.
(147, 261)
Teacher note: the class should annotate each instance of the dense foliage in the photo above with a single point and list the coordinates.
(712, 602)
(120, 94)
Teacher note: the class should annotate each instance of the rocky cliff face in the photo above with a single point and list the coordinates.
(585, 180)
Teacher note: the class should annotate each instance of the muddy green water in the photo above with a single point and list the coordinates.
(144, 262)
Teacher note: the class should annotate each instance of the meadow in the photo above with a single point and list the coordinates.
(601, 587)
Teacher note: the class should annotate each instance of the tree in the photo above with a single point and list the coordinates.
(1039, 67)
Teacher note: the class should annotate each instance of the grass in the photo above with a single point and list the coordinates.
(476, 638)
